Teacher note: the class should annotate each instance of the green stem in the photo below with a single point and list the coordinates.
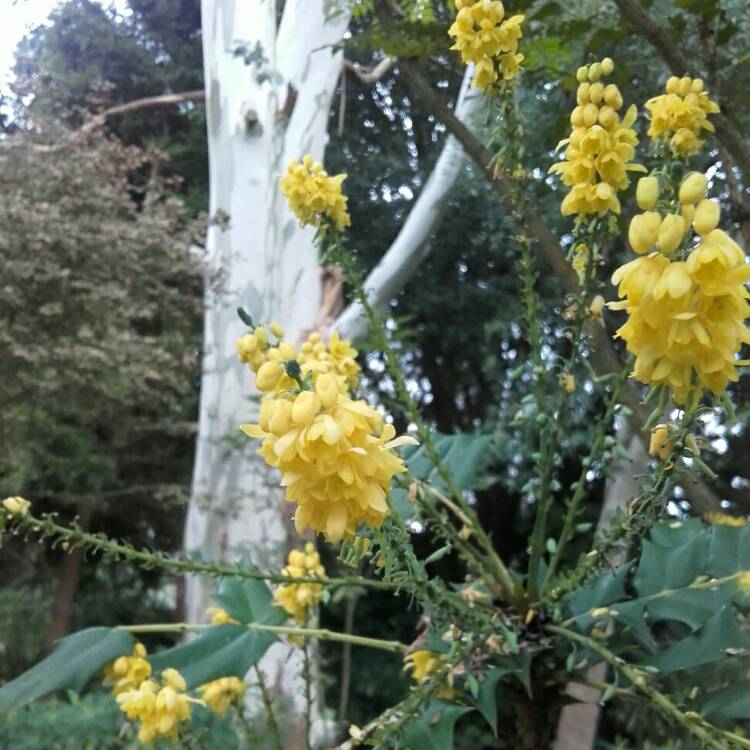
(46, 527)
(273, 725)
(694, 725)
(596, 450)
(323, 634)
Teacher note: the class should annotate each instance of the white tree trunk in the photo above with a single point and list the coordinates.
(412, 244)
(267, 264)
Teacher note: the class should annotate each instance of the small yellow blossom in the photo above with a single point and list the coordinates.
(276, 329)
(647, 192)
(160, 710)
(569, 382)
(219, 616)
(743, 580)
(679, 116)
(315, 197)
(724, 519)
(127, 672)
(660, 446)
(16, 506)
(296, 598)
(220, 694)
(424, 664)
(596, 308)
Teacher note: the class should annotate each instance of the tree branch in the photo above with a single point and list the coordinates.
(411, 246)
(656, 34)
(603, 354)
(370, 75)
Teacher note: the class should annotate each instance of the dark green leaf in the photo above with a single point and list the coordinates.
(248, 601)
(434, 729)
(69, 667)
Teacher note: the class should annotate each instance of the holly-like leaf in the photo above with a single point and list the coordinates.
(77, 658)
(247, 600)
(434, 729)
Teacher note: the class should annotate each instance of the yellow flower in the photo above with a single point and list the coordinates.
(693, 188)
(706, 217)
(647, 192)
(743, 580)
(660, 445)
(724, 519)
(596, 308)
(484, 36)
(680, 115)
(671, 231)
(160, 710)
(220, 694)
(569, 382)
(600, 149)
(16, 506)
(219, 616)
(295, 598)
(315, 197)
(334, 452)
(424, 664)
(127, 672)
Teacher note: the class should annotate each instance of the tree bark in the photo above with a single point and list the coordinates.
(258, 119)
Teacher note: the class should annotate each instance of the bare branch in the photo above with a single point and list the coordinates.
(370, 75)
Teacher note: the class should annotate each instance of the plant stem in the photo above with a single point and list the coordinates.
(702, 731)
(324, 634)
(273, 725)
(45, 526)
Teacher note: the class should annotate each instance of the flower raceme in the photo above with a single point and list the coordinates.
(485, 37)
(159, 709)
(296, 598)
(314, 196)
(679, 116)
(600, 148)
(686, 307)
(335, 453)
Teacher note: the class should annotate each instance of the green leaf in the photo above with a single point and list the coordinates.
(433, 730)
(227, 650)
(69, 667)
(221, 651)
(247, 601)
(487, 698)
(726, 705)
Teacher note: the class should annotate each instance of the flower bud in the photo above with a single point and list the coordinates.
(596, 92)
(707, 214)
(597, 306)
(612, 96)
(590, 115)
(269, 375)
(644, 231)
(280, 419)
(305, 408)
(647, 192)
(327, 389)
(693, 188)
(607, 117)
(261, 335)
(671, 232)
(608, 66)
(673, 84)
(697, 86)
(16, 506)
(660, 446)
(595, 71)
(687, 211)
(582, 95)
(582, 74)
(276, 330)
(576, 117)
(683, 88)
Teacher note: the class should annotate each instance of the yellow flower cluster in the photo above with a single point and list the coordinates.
(687, 309)
(424, 664)
(315, 197)
(600, 148)
(486, 38)
(127, 672)
(295, 598)
(16, 506)
(679, 116)
(335, 453)
(159, 709)
(337, 357)
(220, 694)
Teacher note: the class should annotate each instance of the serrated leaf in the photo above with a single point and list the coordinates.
(70, 666)
(727, 704)
(247, 600)
(435, 728)
(487, 697)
